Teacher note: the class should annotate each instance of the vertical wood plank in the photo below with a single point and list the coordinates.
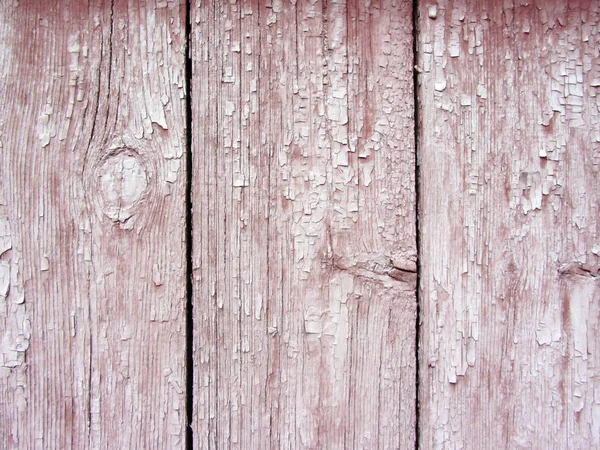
(92, 216)
(304, 225)
(510, 141)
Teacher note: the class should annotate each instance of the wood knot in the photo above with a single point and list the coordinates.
(122, 181)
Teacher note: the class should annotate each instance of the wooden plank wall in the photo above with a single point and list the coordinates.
(509, 139)
(304, 225)
(92, 219)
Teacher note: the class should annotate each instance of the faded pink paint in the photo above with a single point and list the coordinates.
(92, 213)
(509, 141)
(304, 206)
(304, 240)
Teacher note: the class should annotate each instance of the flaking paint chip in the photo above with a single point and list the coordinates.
(432, 13)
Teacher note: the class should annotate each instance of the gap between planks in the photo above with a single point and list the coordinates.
(415, 30)
(189, 285)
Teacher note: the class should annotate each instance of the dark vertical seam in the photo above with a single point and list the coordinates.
(189, 319)
(415, 6)
(110, 54)
(92, 137)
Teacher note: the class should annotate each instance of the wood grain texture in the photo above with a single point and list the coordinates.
(509, 143)
(303, 225)
(92, 216)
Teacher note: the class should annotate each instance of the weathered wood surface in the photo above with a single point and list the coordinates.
(304, 248)
(303, 225)
(92, 217)
(509, 140)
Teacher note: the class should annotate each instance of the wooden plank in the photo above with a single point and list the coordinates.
(92, 217)
(509, 144)
(304, 225)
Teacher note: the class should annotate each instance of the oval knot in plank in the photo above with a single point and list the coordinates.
(122, 180)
